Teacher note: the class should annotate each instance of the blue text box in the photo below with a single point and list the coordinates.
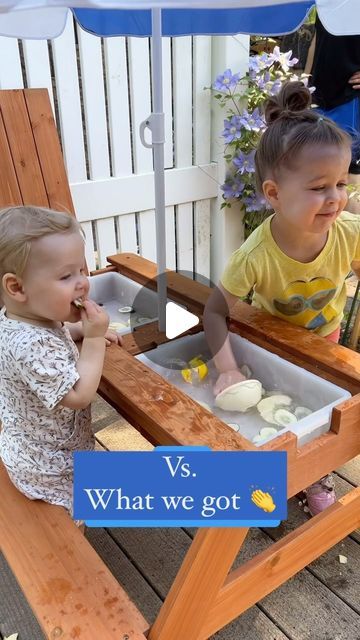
(180, 486)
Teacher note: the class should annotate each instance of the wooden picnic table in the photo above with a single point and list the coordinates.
(205, 596)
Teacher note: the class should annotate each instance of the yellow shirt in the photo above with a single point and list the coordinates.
(311, 294)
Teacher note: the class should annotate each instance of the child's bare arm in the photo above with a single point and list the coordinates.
(216, 311)
(95, 323)
(76, 332)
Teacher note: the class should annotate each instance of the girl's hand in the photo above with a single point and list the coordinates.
(95, 320)
(111, 337)
(226, 379)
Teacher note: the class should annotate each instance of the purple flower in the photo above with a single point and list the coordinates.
(232, 130)
(284, 59)
(245, 163)
(274, 88)
(232, 188)
(254, 202)
(252, 121)
(226, 81)
(260, 62)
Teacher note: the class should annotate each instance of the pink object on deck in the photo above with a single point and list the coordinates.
(321, 495)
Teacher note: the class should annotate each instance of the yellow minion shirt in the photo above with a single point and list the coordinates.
(311, 294)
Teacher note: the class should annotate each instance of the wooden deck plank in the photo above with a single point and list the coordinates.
(306, 609)
(342, 579)
(158, 553)
(135, 585)
(15, 613)
(351, 471)
(298, 605)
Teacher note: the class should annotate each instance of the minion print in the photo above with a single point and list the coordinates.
(307, 303)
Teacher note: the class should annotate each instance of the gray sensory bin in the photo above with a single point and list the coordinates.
(277, 376)
(115, 292)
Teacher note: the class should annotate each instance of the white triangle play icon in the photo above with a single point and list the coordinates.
(178, 320)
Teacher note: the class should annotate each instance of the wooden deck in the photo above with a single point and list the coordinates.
(321, 603)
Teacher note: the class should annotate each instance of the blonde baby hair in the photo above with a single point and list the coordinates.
(20, 226)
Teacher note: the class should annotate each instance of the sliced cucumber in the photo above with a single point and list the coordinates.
(283, 417)
(233, 425)
(264, 434)
(268, 406)
(302, 412)
(126, 309)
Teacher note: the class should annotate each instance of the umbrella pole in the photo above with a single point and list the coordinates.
(158, 139)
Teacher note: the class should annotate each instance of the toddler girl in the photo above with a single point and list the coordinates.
(295, 262)
(46, 386)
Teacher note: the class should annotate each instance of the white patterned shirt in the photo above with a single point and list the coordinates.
(39, 436)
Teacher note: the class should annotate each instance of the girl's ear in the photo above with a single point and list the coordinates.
(271, 192)
(13, 287)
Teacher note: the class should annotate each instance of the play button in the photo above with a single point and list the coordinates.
(178, 320)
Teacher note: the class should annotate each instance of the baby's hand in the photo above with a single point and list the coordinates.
(94, 319)
(111, 337)
(226, 379)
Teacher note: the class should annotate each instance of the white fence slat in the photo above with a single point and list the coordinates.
(106, 242)
(185, 241)
(67, 88)
(202, 98)
(146, 223)
(182, 82)
(89, 246)
(118, 105)
(94, 104)
(170, 238)
(140, 100)
(10, 68)
(167, 102)
(202, 238)
(129, 194)
(37, 66)
(126, 226)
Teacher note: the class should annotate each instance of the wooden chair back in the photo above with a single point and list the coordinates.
(32, 168)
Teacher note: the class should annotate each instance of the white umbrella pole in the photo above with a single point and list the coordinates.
(158, 140)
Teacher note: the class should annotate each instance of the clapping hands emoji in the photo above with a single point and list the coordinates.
(263, 500)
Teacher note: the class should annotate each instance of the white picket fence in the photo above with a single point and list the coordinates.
(101, 91)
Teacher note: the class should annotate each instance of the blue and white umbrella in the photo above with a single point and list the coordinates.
(45, 19)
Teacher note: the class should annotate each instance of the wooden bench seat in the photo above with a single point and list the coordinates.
(69, 588)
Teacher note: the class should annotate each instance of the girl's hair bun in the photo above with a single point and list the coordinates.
(292, 98)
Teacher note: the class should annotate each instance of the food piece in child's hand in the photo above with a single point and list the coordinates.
(78, 303)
